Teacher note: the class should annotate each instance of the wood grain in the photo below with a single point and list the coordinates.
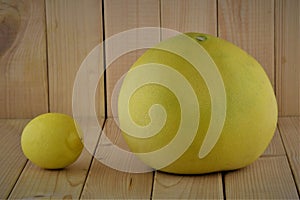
(65, 31)
(287, 46)
(120, 16)
(74, 28)
(57, 184)
(35, 182)
(104, 182)
(275, 147)
(11, 155)
(266, 178)
(169, 186)
(23, 64)
(189, 16)
(250, 25)
(290, 132)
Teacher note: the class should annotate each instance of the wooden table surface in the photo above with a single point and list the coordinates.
(275, 175)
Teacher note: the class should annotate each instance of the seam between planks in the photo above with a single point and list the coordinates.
(152, 186)
(288, 157)
(217, 18)
(275, 48)
(47, 58)
(92, 160)
(13, 187)
(104, 64)
(223, 174)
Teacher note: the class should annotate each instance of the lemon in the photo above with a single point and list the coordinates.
(51, 141)
(178, 120)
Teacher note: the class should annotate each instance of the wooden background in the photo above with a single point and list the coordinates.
(42, 44)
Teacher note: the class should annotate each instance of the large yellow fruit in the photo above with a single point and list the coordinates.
(196, 104)
(51, 141)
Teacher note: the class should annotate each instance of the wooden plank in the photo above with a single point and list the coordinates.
(275, 147)
(104, 182)
(250, 25)
(120, 16)
(57, 184)
(169, 186)
(35, 182)
(23, 64)
(189, 16)
(290, 131)
(74, 28)
(287, 46)
(266, 178)
(11, 156)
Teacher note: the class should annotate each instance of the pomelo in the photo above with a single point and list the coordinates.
(196, 104)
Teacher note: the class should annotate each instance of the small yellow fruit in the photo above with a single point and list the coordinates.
(197, 104)
(51, 141)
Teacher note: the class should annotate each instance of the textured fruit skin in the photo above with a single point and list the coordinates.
(251, 113)
(51, 141)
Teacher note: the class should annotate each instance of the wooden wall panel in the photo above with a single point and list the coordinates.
(287, 44)
(121, 15)
(23, 68)
(250, 25)
(74, 28)
(189, 16)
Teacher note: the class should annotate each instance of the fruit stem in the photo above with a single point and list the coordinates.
(201, 38)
